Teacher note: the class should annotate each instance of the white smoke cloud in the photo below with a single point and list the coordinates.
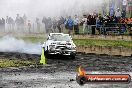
(11, 44)
(39, 8)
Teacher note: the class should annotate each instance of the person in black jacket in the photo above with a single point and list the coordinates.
(88, 24)
(93, 23)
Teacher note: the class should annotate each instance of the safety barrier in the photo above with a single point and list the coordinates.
(115, 28)
(108, 50)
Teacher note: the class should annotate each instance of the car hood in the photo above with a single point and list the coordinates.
(63, 42)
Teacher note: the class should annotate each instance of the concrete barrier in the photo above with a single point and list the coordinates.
(109, 50)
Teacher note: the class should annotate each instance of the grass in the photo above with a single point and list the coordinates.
(98, 42)
(103, 42)
(14, 63)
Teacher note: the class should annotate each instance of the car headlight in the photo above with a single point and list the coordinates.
(74, 48)
(51, 46)
(69, 44)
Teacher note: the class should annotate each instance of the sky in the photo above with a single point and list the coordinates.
(51, 8)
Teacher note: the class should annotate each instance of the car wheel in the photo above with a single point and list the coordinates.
(72, 57)
(46, 53)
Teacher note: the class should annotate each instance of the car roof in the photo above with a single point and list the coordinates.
(67, 34)
(55, 33)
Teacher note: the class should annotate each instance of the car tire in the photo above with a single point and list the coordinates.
(46, 53)
(72, 56)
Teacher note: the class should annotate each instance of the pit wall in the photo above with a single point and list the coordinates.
(105, 37)
(108, 50)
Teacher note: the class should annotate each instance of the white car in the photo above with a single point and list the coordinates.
(59, 44)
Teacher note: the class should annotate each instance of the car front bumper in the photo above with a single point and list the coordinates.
(62, 52)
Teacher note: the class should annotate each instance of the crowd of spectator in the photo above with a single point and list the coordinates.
(88, 23)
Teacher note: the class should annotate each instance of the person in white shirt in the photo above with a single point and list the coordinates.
(84, 23)
(118, 13)
(124, 2)
(76, 24)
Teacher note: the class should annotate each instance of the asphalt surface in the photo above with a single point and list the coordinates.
(61, 72)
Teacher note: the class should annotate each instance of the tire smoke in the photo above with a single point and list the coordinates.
(11, 44)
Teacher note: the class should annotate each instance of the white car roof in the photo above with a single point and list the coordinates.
(66, 34)
(55, 33)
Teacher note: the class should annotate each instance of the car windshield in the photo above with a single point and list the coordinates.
(57, 37)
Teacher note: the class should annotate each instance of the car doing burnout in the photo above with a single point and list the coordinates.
(59, 44)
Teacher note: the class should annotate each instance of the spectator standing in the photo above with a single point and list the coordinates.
(25, 21)
(38, 25)
(89, 23)
(59, 25)
(62, 20)
(49, 25)
(21, 24)
(76, 25)
(112, 12)
(7, 24)
(70, 24)
(29, 26)
(18, 23)
(124, 5)
(3, 24)
(85, 23)
(98, 23)
(118, 14)
(54, 23)
(11, 24)
(93, 23)
(44, 21)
